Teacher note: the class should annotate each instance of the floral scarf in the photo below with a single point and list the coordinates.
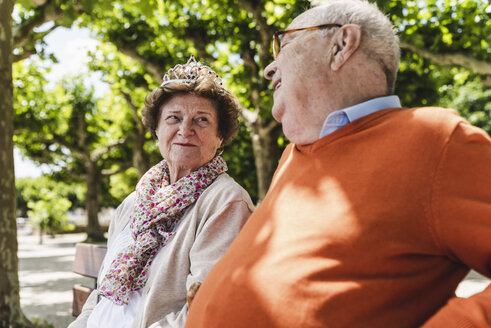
(158, 209)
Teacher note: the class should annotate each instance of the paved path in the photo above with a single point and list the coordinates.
(46, 279)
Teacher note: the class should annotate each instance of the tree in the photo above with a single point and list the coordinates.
(47, 202)
(446, 56)
(129, 80)
(129, 83)
(472, 100)
(233, 36)
(447, 33)
(32, 14)
(50, 213)
(71, 129)
(10, 311)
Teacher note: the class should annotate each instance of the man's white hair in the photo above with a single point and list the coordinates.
(379, 40)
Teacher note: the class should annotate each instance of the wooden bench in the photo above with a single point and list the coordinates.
(87, 262)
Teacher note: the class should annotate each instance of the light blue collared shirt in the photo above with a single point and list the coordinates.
(340, 118)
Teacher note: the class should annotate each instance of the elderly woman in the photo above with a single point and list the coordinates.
(166, 236)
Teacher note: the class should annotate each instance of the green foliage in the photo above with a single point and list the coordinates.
(47, 201)
(441, 27)
(33, 20)
(66, 126)
(141, 40)
(447, 26)
(50, 212)
(470, 99)
(223, 34)
(123, 184)
(20, 184)
(62, 124)
(38, 323)
(29, 189)
(107, 196)
(240, 162)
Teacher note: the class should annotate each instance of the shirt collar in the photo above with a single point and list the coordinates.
(371, 106)
(340, 118)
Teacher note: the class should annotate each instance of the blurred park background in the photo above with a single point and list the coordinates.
(80, 69)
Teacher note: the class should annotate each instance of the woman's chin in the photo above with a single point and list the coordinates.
(183, 157)
(183, 163)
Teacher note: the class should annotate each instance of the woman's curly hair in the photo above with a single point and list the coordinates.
(203, 84)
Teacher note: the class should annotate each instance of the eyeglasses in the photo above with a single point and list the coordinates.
(276, 36)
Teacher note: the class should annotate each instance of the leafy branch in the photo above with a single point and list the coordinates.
(480, 67)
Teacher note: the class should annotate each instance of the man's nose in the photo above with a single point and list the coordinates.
(270, 70)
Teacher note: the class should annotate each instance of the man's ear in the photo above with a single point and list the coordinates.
(346, 42)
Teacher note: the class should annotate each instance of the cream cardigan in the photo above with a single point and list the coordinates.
(207, 229)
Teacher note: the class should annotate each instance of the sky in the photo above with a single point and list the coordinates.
(70, 47)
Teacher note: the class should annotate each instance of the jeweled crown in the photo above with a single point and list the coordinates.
(190, 72)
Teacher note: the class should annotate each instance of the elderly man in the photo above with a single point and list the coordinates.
(375, 213)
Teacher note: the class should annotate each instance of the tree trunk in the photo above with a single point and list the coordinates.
(94, 231)
(265, 146)
(140, 158)
(10, 311)
(92, 180)
(266, 157)
(41, 231)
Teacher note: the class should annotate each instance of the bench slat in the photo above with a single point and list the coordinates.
(87, 262)
(80, 295)
(88, 259)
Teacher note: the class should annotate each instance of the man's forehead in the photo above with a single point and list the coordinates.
(309, 18)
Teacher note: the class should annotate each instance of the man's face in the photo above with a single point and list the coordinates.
(299, 74)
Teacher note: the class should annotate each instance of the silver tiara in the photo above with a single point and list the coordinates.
(189, 72)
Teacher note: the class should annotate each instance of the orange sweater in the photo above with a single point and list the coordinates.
(373, 225)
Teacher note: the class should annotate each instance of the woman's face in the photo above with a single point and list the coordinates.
(187, 133)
